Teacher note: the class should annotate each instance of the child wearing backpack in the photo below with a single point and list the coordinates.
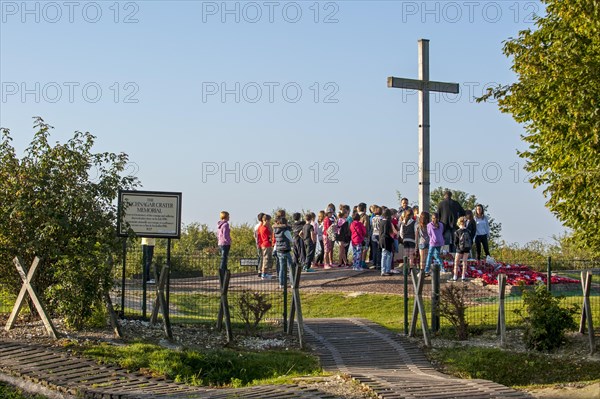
(283, 248)
(309, 236)
(462, 242)
(408, 229)
(364, 219)
(329, 227)
(359, 231)
(343, 238)
(375, 224)
(298, 250)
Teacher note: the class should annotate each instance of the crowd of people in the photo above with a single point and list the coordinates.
(374, 239)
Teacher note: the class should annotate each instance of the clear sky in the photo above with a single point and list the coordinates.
(250, 106)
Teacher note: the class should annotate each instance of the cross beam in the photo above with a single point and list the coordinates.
(416, 84)
(424, 85)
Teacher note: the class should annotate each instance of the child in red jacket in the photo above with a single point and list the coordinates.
(358, 231)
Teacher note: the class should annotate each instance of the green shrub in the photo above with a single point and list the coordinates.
(453, 308)
(546, 321)
(251, 308)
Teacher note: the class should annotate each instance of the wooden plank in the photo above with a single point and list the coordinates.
(26, 277)
(501, 325)
(225, 305)
(587, 310)
(418, 286)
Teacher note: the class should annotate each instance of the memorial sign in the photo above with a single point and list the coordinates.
(149, 214)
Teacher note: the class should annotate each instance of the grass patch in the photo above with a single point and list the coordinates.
(11, 392)
(221, 367)
(380, 308)
(388, 310)
(515, 369)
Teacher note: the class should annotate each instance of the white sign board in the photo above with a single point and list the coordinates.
(149, 214)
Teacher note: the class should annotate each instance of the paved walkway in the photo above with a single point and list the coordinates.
(387, 363)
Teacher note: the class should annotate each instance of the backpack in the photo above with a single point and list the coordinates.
(464, 241)
(332, 232)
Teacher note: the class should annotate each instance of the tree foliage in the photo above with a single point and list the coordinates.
(468, 201)
(50, 208)
(557, 99)
(196, 238)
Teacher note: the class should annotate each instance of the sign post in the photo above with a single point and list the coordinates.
(150, 214)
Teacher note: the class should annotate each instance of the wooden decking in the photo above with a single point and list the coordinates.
(389, 364)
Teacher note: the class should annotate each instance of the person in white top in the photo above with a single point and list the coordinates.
(482, 231)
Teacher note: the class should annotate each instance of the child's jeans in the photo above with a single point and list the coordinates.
(224, 256)
(386, 261)
(285, 264)
(434, 252)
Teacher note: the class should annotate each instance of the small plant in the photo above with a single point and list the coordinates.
(452, 307)
(251, 308)
(546, 321)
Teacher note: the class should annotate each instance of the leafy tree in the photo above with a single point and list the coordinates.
(565, 254)
(50, 208)
(242, 241)
(556, 98)
(468, 201)
(196, 237)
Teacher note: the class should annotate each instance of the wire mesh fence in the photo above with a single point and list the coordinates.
(481, 298)
(194, 292)
(193, 289)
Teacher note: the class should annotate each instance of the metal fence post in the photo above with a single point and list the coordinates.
(405, 274)
(122, 310)
(435, 297)
(549, 275)
(285, 283)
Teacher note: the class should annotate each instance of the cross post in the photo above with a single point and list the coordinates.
(424, 85)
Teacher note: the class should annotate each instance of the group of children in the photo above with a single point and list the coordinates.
(376, 238)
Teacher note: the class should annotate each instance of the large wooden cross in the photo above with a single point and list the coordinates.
(424, 85)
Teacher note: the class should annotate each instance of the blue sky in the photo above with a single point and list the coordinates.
(251, 106)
